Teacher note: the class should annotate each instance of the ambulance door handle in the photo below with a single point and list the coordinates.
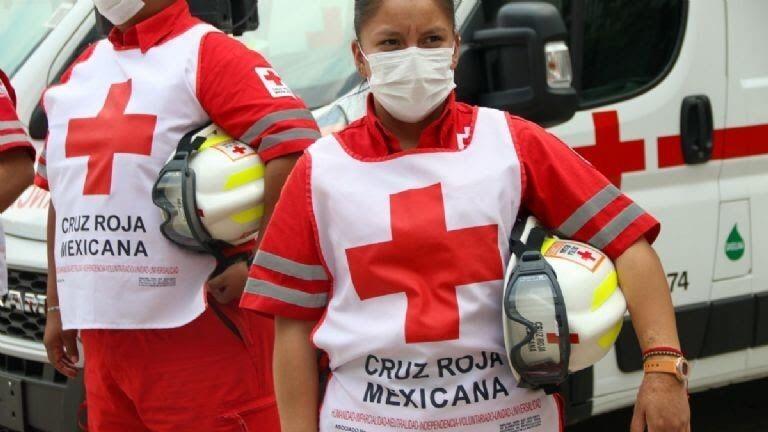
(696, 129)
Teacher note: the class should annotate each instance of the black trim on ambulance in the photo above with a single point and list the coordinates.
(706, 329)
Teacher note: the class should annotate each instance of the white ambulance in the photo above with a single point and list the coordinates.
(668, 98)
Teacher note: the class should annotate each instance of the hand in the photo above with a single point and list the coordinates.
(229, 285)
(61, 345)
(662, 405)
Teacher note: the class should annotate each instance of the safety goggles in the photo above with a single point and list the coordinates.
(538, 323)
(174, 194)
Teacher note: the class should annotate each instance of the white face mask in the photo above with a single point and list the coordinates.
(411, 83)
(118, 11)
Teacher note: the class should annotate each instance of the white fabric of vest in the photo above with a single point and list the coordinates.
(481, 185)
(126, 292)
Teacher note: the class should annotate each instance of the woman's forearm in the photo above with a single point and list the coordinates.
(642, 279)
(16, 170)
(296, 376)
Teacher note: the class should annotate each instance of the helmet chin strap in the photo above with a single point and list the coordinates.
(527, 236)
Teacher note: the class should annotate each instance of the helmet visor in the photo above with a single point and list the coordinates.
(167, 194)
(538, 327)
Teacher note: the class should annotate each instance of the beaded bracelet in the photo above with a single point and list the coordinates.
(662, 351)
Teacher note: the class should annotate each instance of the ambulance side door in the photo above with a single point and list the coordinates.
(741, 277)
(643, 66)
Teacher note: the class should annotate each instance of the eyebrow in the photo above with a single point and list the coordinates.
(435, 29)
(386, 32)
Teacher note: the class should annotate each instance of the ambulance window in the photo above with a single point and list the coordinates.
(24, 24)
(308, 42)
(628, 45)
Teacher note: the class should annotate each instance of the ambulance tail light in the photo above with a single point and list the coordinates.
(558, 60)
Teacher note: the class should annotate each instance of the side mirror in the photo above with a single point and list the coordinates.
(522, 65)
(229, 16)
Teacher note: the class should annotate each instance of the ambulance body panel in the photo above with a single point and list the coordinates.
(713, 244)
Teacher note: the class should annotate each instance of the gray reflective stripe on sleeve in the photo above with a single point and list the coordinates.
(289, 135)
(42, 171)
(14, 124)
(290, 268)
(616, 226)
(262, 125)
(286, 295)
(588, 210)
(7, 139)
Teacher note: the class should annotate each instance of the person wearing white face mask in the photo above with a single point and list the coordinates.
(166, 346)
(387, 250)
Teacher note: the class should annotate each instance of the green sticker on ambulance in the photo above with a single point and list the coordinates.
(734, 245)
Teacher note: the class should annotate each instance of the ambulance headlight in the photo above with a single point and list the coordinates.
(559, 71)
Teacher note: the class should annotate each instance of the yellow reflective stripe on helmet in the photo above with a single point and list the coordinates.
(609, 338)
(548, 242)
(248, 216)
(244, 177)
(214, 140)
(605, 290)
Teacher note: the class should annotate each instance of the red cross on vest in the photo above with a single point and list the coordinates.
(111, 132)
(272, 76)
(610, 155)
(427, 262)
(238, 149)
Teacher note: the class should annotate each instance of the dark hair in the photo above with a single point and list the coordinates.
(365, 9)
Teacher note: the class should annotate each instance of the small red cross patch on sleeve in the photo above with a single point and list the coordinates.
(274, 83)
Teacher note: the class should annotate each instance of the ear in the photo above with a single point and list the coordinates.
(360, 64)
(456, 50)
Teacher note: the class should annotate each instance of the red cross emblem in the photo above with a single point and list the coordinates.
(586, 255)
(272, 76)
(554, 339)
(111, 132)
(238, 149)
(610, 155)
(427, 262)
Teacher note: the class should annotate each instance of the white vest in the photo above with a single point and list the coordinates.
(114, 267)
(459, 382)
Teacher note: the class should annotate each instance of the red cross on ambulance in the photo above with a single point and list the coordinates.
(609, 154)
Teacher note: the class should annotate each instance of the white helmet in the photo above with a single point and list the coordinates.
(211, 192)
(563, 308)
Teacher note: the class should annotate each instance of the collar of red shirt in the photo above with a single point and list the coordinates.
(456, 119)
(153, 31)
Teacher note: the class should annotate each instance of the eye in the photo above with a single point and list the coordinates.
(389, 44)
(433, 40)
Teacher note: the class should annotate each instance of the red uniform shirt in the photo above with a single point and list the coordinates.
(235, 96)
(559, 187)
(12, 134)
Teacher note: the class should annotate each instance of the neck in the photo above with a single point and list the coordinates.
(149, 10)
(407, 134)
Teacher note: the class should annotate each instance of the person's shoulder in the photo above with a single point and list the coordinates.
(526, 130)
(221, 46)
